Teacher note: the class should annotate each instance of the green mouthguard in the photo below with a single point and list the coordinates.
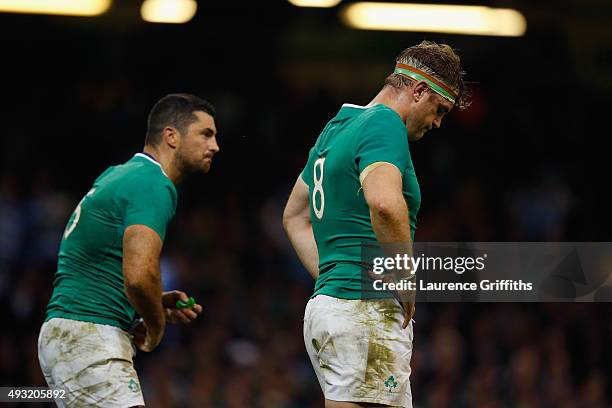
(182, 305)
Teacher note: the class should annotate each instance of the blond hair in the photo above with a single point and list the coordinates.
(437, 60)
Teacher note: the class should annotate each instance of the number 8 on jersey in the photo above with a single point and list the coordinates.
(318, 188)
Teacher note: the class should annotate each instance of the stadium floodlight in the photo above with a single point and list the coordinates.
(315, 3)
(168, 11)
(61, 7)
(452, 19)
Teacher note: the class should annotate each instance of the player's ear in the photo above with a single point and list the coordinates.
(170, 136)
(419, 90)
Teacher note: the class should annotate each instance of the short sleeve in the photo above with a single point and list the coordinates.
(384, 139)
(151, 204)
(306, 173)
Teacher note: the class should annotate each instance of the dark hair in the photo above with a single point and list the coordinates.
(439, 60)
(174, 110)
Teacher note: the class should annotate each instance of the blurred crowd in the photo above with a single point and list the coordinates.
(515, 166)
(246, 350)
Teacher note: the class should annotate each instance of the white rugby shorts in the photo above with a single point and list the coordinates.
(359, 351)
(92, 362)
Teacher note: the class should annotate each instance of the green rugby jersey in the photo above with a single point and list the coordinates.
(89, 283)
(355, 138)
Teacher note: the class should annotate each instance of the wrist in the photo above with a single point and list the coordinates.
(156, 327)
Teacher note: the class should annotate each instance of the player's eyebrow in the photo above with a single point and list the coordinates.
(209, 131)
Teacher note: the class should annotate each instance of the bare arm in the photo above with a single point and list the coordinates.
(141, 250)
(297, 224)
(382, 188)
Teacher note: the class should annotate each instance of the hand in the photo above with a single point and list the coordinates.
(409, 310)
(405, 297)
(144, 339)
(175, 315)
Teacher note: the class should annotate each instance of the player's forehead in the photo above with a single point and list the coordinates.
(203, 122)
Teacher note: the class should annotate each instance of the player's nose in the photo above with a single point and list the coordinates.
(436, 123)
(214, 146)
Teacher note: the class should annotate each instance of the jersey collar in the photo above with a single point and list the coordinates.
(152, 160)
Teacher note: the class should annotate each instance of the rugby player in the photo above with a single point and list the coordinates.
(358, 187)
(108, 263)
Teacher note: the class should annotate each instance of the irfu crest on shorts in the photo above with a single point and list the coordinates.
(390, 383)
(133, 386)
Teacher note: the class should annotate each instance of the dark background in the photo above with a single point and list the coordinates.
(527, 162)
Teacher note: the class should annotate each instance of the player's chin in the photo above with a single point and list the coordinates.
(205, 168)
(416, 137)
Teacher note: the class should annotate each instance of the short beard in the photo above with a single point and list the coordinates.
(182, 164)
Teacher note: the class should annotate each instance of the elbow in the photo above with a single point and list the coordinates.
(295, 222)
(138, 282)
(133, 285)
(286, 221)
(383, 208)
(388, 208)
(289, 219)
